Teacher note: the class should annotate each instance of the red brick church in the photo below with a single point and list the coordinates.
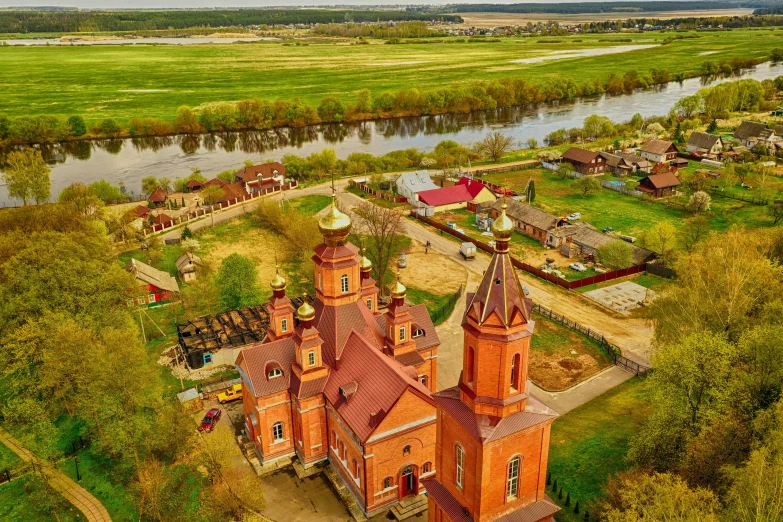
(493, 437)
(339, 380)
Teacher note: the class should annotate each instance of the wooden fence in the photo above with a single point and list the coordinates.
(530, 269)
(739, 197)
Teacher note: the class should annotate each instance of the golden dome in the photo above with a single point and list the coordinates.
(278, 282)
(398, 290)
(334, 225)
(365, 265)
(305, 312)
(502, 227)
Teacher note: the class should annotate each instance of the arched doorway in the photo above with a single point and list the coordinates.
(409, 481)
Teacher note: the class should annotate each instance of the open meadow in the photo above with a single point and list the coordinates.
(501, 19)
(122, 82)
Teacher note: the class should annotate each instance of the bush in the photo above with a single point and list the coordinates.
(77, 126)
(109, 128)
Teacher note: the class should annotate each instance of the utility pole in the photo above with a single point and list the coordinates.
(179, 370)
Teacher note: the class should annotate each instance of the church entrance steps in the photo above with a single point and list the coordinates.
(409, 506)
(272, 466)
(342, 490)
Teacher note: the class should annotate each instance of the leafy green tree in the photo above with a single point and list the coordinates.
(5, 127)
(229, 176)
(531, 191)
(27, 176)
(186, 121)
(237, 282)
(363, 101)
(82, 198)
(587, 185)
(331, 109)
(106, 192)
(616, 254)
(77, 125)
(212, 194)
(661, 239)
(149, 185)
(110, 128)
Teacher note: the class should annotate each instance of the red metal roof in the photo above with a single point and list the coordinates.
(158, 196)
(445, 196)
(380, 381)
(142, 211)
(486, 428)
(421, 319)
(258, 359)
(474, 187)
(307, 389)
(335, 324)
(265, 170)
(162, 218)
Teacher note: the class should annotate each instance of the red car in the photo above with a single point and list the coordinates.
(210, 419)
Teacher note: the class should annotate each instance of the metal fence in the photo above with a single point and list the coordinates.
(446, 308)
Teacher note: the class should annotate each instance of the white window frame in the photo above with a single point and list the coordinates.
(460, 466)
(369, 303)
(311, 358)
(151, 298)
(512, 478)
(402, 333)
(274, 373)
(284, 324)
(275, 427)
(344, 285)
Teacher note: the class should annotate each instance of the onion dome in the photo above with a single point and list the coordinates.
(365, 265)
(278, 282)
(398, 290)
(305, 312)
(503, 227)
(334, 225)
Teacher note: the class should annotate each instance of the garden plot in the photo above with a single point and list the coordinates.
(622, 297)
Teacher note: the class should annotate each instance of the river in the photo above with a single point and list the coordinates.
(130, 160)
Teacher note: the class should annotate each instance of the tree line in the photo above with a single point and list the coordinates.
(388, 30)
(129, 21)
(257, 114)
(591, 7)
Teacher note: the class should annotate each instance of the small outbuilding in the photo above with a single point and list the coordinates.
(194, 185)
(659, 185)
(154, 286)
(158, 197)
(190, 400)
(188, 267)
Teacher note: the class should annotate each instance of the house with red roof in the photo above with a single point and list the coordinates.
(263, 177)
(585, 161)
(158, 197)
(338, 379)
(466, 193)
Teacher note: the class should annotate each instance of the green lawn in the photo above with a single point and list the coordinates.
(435, 303)
(588, 445)
(8, 459)
(106, 81)
(555, 339)
(310, 205)
(625, 214)
(16, 505)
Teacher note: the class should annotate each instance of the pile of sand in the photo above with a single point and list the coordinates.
(555, 372)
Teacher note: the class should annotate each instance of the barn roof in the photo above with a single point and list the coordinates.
(580, 155)
(152, 276)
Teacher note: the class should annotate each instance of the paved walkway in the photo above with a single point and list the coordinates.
(75, 494)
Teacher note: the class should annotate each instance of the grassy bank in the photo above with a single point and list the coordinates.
(121, 82)
(588, 445)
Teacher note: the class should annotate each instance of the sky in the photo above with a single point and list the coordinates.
(141, 4)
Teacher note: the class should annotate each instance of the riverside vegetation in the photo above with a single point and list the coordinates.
(160, 90)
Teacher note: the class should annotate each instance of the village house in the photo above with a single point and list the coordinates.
(338, 379)
(658, 151)
(188, 267)
(659, 185)
(493, 436)
(232, 193)
(263, 177)
(585, 161)
(586, 240)
(752, 133)
(411, 183)
(154, 286)
(704, 144)
(617, 165)
(140, 211)
(194, 185)
(638, 163)
(162, 219)
(158, 197)
(462, 195)
(528, 220)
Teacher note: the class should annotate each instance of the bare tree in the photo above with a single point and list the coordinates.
(494, 145)
(384, 228)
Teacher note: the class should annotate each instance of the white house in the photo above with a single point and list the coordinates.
(658, 151)
(411, 183)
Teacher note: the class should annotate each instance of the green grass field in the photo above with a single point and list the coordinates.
(588, 445)
(120, 82)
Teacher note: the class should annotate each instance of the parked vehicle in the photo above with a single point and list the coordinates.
(468, 250)
(607, 230)
(231, 394)
(579, 267)
(210, 419)
(524, 289)
(575, 216)
(629, 239)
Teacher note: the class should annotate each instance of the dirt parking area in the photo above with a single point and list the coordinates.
(433, 272)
